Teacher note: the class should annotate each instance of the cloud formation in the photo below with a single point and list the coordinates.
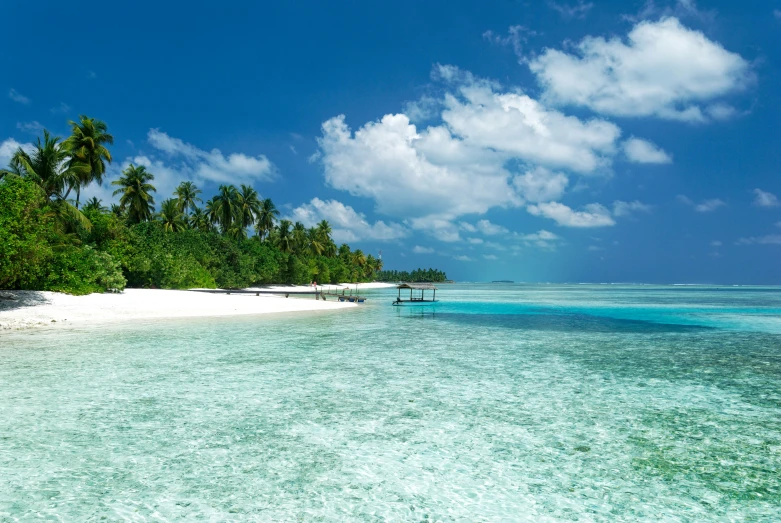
(621, 208)
(541, 185)
(18, 97)
(347, 224)
(578, 10)
(704, 206)
(33, 127)
(200, 165)
(770, 239)
(663, 69)
(765, 199)
(643, 151)
(8, 148)
(491, 148)
(710, 205)
(422, 250)
(592, 215)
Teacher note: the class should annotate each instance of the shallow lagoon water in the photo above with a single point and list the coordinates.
(500, 403)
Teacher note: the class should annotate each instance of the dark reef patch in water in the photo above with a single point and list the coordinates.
(563, 323)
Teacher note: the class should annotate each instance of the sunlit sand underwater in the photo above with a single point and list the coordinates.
(500, 403)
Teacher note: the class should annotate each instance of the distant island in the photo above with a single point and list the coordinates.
(502, 281)
(52, 241)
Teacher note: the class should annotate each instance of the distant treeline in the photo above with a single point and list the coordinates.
(49, 242)
(416, 276)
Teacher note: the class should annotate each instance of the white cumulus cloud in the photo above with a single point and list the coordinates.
(592, 215)
(663, 69)
(770, 239)
(643, 151)
(18, 97)
(33, 127)
(540, 185)
(201, 165)
(542, 235)
(710, 205)
(490, 229)
(765, 199)
(348, 225)
(7, 149)
(422, 250)
(569, 11)
(621, 208)
(490, 148)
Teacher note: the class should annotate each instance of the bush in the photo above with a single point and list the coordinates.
(82, 270)
(25, 234)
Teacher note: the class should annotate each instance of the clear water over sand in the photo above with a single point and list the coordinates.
(501, 403)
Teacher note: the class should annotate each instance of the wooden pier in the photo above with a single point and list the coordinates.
(339, 295)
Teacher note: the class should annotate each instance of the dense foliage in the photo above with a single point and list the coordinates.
(417, 276)
(48, 243)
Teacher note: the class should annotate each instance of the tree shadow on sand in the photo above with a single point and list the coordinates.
(11, 300)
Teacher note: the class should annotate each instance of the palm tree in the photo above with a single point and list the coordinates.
(324, 238)
(200, 220)
(172, 217)
(94, 204)
(299, 238)
(48, 167)
(186, 195)
(225, 207)
(211, 211)
(314, 243)
(371, 266)
(359, 262)
(136, 194)
(248, 206)
(284, 238)
(265, 218)
(87, 146)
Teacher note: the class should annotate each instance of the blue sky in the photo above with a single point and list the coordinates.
(534, 141)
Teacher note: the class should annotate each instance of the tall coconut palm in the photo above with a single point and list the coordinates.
(48, 167)
(370, 267)
(299, 238)
(87, 145)
(248, 206)
(199, 220)
(359, 262)
(225, 207)
(186, 196)
(136, 193)
(314, 241)
(211, 210)
(324, 238)
(284, 237)
(265, 219)
(94, 204)
(172, 216)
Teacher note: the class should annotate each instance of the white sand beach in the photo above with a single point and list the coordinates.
(328, 287)
(36, 308)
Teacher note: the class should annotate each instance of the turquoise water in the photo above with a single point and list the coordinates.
(535, 403)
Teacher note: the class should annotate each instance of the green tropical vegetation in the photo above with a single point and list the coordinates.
(416, 276)
(50, 242)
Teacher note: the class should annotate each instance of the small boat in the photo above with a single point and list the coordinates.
(414, 297)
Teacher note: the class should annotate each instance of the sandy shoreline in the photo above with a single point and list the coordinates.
(40, 308)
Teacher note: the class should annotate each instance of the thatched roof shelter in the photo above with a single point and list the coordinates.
(418, 286)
